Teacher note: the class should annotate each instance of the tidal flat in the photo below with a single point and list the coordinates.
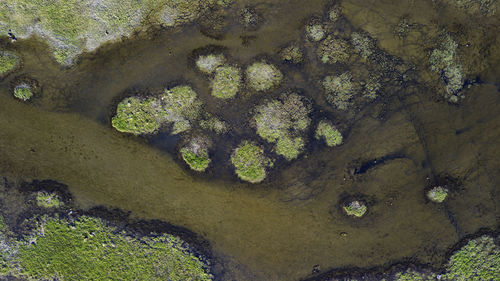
(410, 91)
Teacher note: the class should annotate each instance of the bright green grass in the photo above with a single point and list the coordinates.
(48, 200)
(249, 162)
(137, 116)
(23, 92)
(88, 250)
(198, 162)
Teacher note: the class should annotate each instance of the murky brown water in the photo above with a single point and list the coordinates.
(282, 228)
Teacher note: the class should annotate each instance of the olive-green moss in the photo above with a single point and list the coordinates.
(137, 116)
(71, 27)
(412, 275)
(333, 50)
(262, 76)
(355, 208)
(208, 64)
(339, 89)
(214, 124)
(8, 62)
(178, 106)
(226, 82)
(23, 92)
(329, 133)
(478, 260)
(283, 122)
(437, 194)
(87, 249)
(48, 200)
(250, 162)
(292, 53)
(195, 154)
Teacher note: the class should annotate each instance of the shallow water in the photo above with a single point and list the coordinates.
(282, 228)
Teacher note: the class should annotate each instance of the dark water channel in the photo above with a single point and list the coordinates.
(280, 229)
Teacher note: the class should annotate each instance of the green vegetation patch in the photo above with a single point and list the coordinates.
(339, 89)
(48, 200)
(180, 106)
(355, 209)
(8, 62)
(226, 82)
(412, 275)
(262, 76)
(208, 64)
(250, 162)
(23, 92)
(87, 249)
(195, 154)
(214, 124)
(327, 131)
(292, 53)
(137, 116)
(478, 260)
(283, 121)
(333, 50)
(437, 194)
(315, 32)
(363, 44)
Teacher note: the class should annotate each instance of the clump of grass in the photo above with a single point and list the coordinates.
(333, 50)
(208, 64)
(437, 194)
(327, 131)
(195, 154)
(412, 275)
(87, 249)
(23, 92)
(477, 260)
(137, 116)
(48, 200)
(292, 54)
(262, 76)
(226, 82)
(283, 121)
(250, 162)
(355, 208)
(315, 31)
(8, 62)
(339, 89)
(214, 124)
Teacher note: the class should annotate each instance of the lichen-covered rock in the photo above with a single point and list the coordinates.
(339, 89)
(207, 64)
(226, 82)
(195, 153)
(333, 50)
(283, 122)
(9, 61)
(250, 162)
(327, 131)
(262, 76)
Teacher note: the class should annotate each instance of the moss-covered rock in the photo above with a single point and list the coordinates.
(137, 115)
(87, 249)
(250, 162)
(9, 61)
(208, 64)
(339, 89)
(23, 92)
(72, 27)
(284, 121)
(226, 82)
(327, 131)
(333, 50)
(437, 194)
(262, 76)
(292, 54)
(48, 200)
(355, 208)
(477, 260)
(195, 153)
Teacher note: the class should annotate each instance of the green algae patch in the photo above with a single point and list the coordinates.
(23, 92)
(327, 131)
(8, 62)
(87, 249)
(137, 116)
(477, 260)
(195, 154)
(355, 208)
(178, 106)
(262, 76)
(207, 64)
(48, 200)
(250, 162)
(226, 82)
(71, 27)
(437, 194)
(284, 121)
